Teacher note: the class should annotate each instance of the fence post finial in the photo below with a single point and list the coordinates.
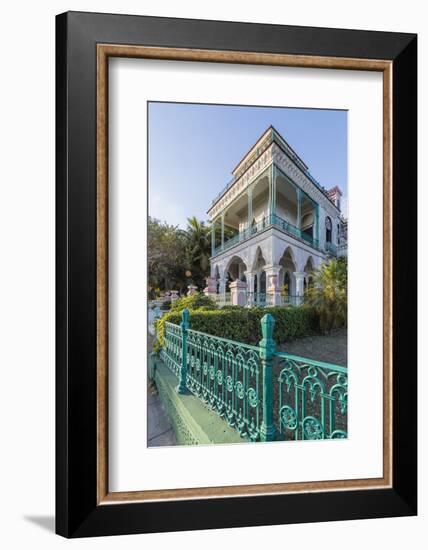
(267, 350)
(182, 385)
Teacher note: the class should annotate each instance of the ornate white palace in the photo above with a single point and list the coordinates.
(284, 223)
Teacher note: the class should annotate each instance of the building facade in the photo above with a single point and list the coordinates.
(281, 225)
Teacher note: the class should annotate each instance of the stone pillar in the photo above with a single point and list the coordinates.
(240, 271)
(250, 210)
(222, 286)
(211, 287)
(222, 231)
(300, 286)
(192, 290)
(213, 238)
(317, 224)
(272, 195)
(249, 275)
(299, 208)
(273, 293)
(238, 290)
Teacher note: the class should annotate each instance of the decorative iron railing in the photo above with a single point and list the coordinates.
(306, 400)
(171, 352)
(225, 376)
(312, 399)
(268, 221)
(257, 299)
(291, 300)
(222, 299)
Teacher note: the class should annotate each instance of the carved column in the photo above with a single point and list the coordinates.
(300, 286)
(238, 290)
(211, 287)
(250, 275)
(222, 231)
(273, 294)
(213, 238)
(192, 290)
(250, 209)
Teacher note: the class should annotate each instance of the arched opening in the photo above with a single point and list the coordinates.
(328, 229)
(260, 283)
(308, 225)
(217, 278)
(309, 268)
(258, 296)
(235, 270)
(286, 287)
(288, 267)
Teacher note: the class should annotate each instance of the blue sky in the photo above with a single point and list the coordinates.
(193, 149)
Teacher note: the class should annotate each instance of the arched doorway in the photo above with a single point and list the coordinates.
(309, 268)
(258, 297)
(328, 229)
(288, 267)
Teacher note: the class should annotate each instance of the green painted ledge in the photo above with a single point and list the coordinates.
(193, 423)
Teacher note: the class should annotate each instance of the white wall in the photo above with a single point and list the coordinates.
(27, 273)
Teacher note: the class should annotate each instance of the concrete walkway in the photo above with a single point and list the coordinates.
(159, 429)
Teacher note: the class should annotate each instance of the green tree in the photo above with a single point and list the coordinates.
(167, 255)
(198, 238)
(329, 294)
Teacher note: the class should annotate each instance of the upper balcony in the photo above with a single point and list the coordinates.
(272, 201)
(271, 220)
(270, 136)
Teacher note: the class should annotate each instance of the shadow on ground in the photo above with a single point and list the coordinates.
(45, 522)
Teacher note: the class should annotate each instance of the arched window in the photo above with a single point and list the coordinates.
(328, 229)
(287, 283)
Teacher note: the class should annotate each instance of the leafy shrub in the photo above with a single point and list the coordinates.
(329, 294)
(243, 324)
(195, 301)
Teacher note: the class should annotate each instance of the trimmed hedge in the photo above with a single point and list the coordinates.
(195, 301)
(243, 324)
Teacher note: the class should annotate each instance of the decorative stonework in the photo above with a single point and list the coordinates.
(274, 154)
(211, 287)
(296, 174)
(238, 290)
(192, 289)
(242, 183)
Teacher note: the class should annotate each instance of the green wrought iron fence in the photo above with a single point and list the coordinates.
(257, 299)
(312, 400)
(225, 376)
(172, 350)
(307, 400)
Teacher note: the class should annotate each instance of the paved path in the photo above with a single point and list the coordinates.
(331, 348)
(159, 429)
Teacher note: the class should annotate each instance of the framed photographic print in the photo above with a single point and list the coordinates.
(236, 274)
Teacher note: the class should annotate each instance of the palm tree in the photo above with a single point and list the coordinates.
(329, 294)
(199, 247)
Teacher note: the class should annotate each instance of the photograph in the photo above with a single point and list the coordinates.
(247, 250)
